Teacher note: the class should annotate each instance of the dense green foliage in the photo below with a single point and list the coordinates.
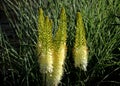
(18, 63)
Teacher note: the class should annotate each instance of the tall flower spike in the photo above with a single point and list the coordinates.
(80, 48)
(59, 52)
(44, 45)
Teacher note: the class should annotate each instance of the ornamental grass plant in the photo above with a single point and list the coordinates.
(19, 64)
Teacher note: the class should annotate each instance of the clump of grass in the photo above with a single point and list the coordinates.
(20, 60)
(19, 66)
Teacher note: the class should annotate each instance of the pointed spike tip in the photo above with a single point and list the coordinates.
(63, 10)
(40, 11)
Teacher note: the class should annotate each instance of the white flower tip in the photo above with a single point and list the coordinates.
(81, 56)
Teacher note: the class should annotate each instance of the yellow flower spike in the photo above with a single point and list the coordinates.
(58, 59)
(59, 52)
(44, 46)
(41, 21)
(80, 48)
(40, 27)
(60, 36)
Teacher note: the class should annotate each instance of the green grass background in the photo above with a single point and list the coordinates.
(18, 63)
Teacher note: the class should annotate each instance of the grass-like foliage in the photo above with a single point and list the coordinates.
(19, 58)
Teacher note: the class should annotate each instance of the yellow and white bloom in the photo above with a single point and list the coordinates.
(44, 45)
(80, 48)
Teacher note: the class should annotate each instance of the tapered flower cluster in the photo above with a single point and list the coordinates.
(44, 45)
(59, 54)
(80, 48)
(52, 50)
